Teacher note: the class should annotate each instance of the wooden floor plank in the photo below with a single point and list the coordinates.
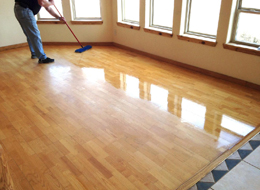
(114, 119)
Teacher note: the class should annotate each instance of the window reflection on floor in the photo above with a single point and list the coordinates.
(188, 110)
(59, 74)
(94, 74)
(193, 113)
(59, 71)
(236, 126)
(159, 96)
(130, 85)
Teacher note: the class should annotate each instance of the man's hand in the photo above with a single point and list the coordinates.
(52, 12)
(62, 19)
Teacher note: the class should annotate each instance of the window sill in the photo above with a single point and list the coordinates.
(242, 48)
(50, 22)
(81, 22)
(199, 40)
(87, 22)
(159, 32)
(128, 25)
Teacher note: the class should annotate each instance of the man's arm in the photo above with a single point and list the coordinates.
(45, 3)
(48, 6)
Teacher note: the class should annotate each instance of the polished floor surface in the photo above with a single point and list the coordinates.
(113, 119)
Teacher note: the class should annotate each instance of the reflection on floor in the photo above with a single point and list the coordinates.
(113, 119)
(190, 111)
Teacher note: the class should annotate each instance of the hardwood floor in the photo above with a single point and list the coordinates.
(113, 119)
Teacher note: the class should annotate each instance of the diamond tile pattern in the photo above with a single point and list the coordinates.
(218, 174)
(254, 144)
(222, 169)
(244, 153)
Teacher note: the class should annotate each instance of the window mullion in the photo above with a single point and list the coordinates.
(123, 9)
(188, 16)
(251, 11)
(151, 12)
(239, 4)
(234, 29)
(73, 9)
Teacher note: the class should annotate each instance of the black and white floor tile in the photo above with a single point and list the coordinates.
(209, 181)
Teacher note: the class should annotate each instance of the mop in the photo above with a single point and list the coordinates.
(82, 49)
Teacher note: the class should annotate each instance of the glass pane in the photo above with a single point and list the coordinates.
(248, 28)
(204, 15)
(45, 14)
(255, 4)
(87, 9)
(131, 10)
(163, 13)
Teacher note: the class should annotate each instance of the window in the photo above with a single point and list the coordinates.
(246, 25)
(86, 10)
(45, 15)
(202, 18)
(161, 14)
(129, 11)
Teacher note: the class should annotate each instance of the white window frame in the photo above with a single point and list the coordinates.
(152, 17)
(239, 10)
(121, 13)
(74, 18)
(187, 20)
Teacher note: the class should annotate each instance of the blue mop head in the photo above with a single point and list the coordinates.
(83, 49)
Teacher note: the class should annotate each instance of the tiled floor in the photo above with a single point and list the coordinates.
(240, 171)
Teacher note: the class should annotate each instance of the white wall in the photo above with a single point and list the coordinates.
(10, 32)
(235, 64)
(85, 33)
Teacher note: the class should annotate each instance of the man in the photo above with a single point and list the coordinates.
(24, 13)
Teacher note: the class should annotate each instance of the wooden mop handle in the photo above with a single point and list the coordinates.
(69, 27)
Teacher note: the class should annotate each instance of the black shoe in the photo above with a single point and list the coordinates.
(47, 60)
(34, 57)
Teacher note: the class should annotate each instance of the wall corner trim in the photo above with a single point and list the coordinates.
(13, 46)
